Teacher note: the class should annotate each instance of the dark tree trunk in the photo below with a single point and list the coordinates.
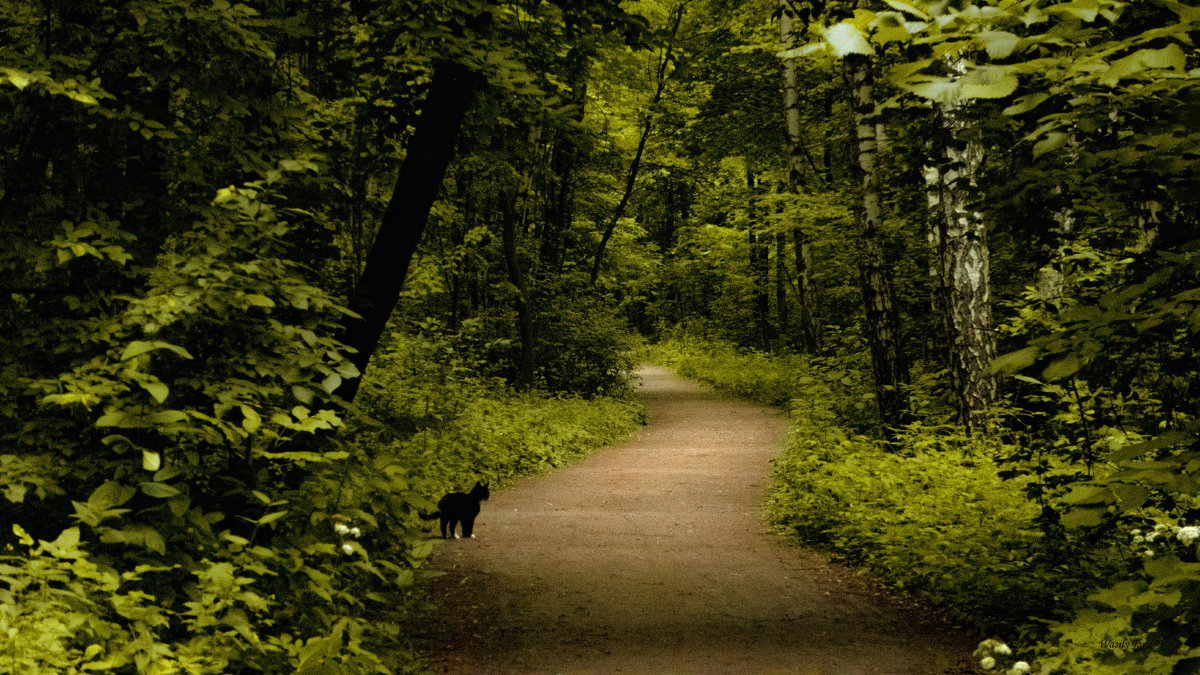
(666, 59)
(781, 304)
(429, 153)
(882, 320)
(516, 276)
(810, 330)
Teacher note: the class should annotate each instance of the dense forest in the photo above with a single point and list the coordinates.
(278, 273)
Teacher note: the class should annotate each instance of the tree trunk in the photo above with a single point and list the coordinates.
(666, 58)
(781, 304)
(810, 329)
(561, 205)
(428, 155)
(965, 271)
(810, 334)
(516, 276)
(882, 321)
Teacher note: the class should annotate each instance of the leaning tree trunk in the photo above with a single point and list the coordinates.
(882, 320)
(420, 178)
(963, 254)
(662, 72)
(810, 333)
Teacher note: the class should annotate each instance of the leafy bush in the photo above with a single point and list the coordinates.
(933, 512)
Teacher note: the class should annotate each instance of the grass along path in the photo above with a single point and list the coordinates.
(654, 556)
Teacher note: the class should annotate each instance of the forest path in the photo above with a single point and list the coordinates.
(654, 556)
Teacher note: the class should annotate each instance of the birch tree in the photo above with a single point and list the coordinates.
(888, 363)
(810, 334)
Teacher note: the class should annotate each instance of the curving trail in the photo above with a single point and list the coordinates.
(654, 556)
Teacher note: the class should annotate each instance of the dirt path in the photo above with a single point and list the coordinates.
(654, 556)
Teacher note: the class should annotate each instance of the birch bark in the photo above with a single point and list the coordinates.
(882, 320)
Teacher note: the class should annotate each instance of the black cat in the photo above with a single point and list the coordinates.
(458, 507)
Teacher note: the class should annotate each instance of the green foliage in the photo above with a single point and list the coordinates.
(449, 426)
(834, 389)
(914, 510)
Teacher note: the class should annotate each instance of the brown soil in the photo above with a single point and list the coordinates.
(654, 556)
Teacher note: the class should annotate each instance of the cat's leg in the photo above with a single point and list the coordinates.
(445, 521)
(453, 526)
(468, 525)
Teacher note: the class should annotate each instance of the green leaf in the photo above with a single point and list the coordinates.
(258, 300)
(1025, 104)
(1170, 57)
(139, 347)
(158, 390)
(987, 82)
(168, 417)
(997, 43)
(1053, 141)
(1081, 516)
(251, 421)
(116, 418)
(151, 460)
(271, 517)
(19, 79)
(160, 490)
(1014, 361)
(331, 383)
(906, 7)
(846, 39)
(1088, 494)
(1086, 10)
(1064, 367)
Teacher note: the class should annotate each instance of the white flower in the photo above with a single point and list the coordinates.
(987, 663)
(1019, 668)
(341, 529)
(1003, 650)
(355, 532)
(1135, 533)
(1188, 534)
(1151, 536)
(1148, 553)
(1160, 528)
(347, 549)
(1139, 539)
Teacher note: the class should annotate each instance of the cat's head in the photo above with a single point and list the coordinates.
(480, 491)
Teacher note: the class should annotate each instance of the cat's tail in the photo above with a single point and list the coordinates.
(429, 516)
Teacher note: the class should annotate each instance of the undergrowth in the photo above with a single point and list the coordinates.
(934, 512)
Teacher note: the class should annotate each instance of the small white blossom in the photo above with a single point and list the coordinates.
(1135, 533)
(1188, 534)
(1160, 528)
(987, 663)
(341, 529)
(347, 549)
(355, 532)
(1019, 668)
(1148, 553)
(1003, 650)
(1151, 536)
